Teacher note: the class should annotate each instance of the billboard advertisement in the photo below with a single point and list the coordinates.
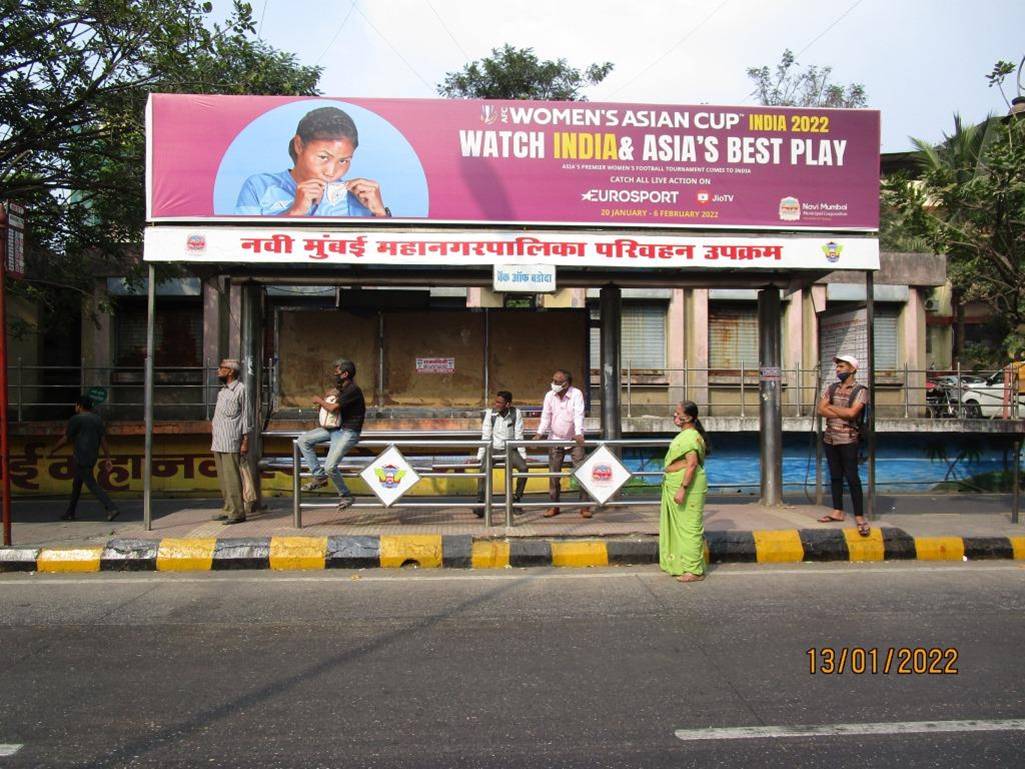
(449, 161)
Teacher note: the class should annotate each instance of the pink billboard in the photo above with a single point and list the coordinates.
(241, 158)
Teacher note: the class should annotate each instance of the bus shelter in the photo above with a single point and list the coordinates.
(507, 195)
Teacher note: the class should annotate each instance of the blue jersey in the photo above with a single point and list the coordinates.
(273, 195)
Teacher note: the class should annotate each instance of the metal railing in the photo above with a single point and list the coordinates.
(351, 470)
(180, 392)
(902, 393)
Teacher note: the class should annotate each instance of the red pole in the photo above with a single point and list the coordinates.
(5, 448)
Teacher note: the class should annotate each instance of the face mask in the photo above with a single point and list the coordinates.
(223, 379)
(558, 388)
(843, 376)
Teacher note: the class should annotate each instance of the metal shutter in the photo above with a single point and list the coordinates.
(732, 337)
(643, 337)
(886, 341)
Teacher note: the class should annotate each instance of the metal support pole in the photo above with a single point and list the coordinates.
(487, 352)
(487, 468)
(629, 394)
(508, 485)
(611, 305)
(960, 393)
(21, 381)
(870, 423)
(818, 441)
(5, 446)
(297, 487)
(147, 466)
(1016, 494)
(770, 412)
(252, 376)
(800, 390)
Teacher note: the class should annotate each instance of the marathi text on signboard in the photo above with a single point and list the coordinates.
(530, 279)
(455, 160)
(435, 365)
(220, 244)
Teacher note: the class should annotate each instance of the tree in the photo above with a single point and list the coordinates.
(75, 78)
(516, 73)
(969, 204)
(790, 86)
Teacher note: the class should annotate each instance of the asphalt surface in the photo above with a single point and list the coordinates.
(517, 668)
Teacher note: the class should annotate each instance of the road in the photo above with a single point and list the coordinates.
(518, 668)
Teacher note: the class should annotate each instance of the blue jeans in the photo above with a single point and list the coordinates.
(341, 441)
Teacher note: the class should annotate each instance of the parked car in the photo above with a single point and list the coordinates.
(985, 400)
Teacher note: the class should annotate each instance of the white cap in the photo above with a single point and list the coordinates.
(847, 359)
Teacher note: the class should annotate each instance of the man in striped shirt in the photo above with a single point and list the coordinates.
(231, 427)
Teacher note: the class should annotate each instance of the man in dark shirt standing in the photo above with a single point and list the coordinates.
(87, 435)
(348, 409)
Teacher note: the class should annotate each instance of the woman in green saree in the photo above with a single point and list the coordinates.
(681, 527)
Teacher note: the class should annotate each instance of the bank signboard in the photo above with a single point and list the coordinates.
(511, 162)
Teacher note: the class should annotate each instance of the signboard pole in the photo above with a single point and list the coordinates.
(870, 333)
(147, 468)
(770, 412)
(611, 370)
(5, 456)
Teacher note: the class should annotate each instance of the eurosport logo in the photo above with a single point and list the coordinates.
(630, 196)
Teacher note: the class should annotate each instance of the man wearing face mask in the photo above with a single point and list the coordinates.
(562, 418)
(231, 427)
(842, 404)
(340, 421)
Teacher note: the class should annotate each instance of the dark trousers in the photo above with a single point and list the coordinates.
(843, 464)
(520, 465)
(84, 474)
(556, 456)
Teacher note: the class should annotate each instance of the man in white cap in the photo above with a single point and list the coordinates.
(843, 404)
(230, 440)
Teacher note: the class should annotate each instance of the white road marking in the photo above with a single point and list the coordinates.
(650, 571)
(9, 750)
(846, 730)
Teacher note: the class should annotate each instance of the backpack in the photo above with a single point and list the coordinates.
(859, 421)
(510, 419)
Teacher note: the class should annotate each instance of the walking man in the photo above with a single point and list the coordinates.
(342, 412)
(562, 418)
(843, 404)
(87, 436)
(502, 422)
(230, 443)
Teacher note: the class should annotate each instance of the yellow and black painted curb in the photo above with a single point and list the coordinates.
(467, 552)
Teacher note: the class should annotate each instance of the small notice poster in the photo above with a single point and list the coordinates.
(435, 365)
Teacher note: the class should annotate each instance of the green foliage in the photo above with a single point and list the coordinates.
(516, 73)
(75, 78)
(970, 205)
(788, 85)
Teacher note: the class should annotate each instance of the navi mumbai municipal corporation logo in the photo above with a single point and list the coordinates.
(389, 476)
(195, 244)
(789, 209)
(832, 251)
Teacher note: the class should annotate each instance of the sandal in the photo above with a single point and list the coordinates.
(830, 519)
(688, 577)
(863, 528)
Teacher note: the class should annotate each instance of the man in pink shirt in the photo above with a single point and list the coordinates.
(562, 418)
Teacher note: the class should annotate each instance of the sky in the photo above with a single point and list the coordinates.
(919, 60)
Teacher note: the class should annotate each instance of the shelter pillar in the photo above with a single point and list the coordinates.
(252, 373)
(770, 412)
(611, 304)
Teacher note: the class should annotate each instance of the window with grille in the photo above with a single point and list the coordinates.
(643, 340)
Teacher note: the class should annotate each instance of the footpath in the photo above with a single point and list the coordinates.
(185, 538)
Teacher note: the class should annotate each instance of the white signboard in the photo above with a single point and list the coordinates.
(601, 474)
(530, 279)
(274, 245)
(389, 476)
(435, 365)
